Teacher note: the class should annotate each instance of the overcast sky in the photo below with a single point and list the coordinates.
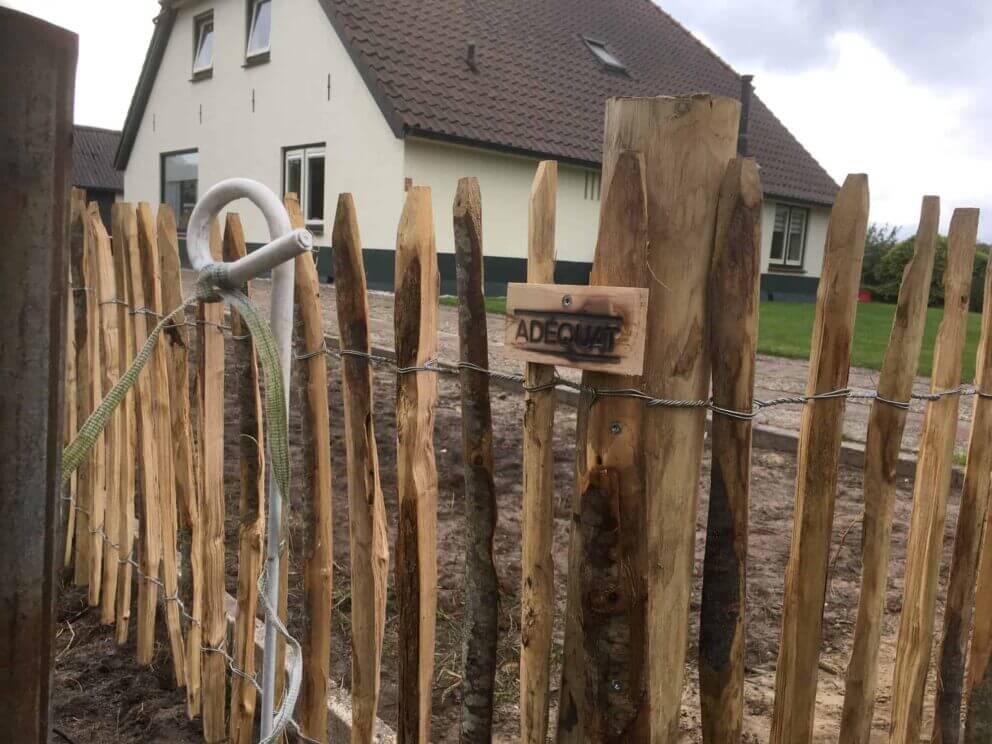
(898, 89)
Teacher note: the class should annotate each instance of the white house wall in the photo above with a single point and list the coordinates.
(291, 108)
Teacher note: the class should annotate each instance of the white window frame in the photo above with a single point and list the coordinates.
(593, 185)
(201, 25)
(304, 155)
(607, 58)
(785, 260)
(252, 21)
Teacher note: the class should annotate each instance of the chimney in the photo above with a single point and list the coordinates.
(746, 89)
(470, 57)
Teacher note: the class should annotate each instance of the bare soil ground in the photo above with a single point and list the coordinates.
(101, 695)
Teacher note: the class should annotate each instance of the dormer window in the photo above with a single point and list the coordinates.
(609, 60)
(259, 30)
(203, 46)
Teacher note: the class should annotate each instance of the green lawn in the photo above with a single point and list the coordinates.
(784, 329)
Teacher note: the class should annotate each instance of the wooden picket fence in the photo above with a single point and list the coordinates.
(681, 218)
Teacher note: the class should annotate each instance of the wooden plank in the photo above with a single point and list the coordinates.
(537, 600)
(147, 454)
(366, 509)
(882, 447)
(600, 329)
(931, 488)
(37, 77)
(978, 718)
(687, 143)
(604, 671)
(121, 244)
(69, 422)
(162, 416)
(481, 624)
(972, 514)
(315, 490)
(210, 378)
(105, 587)
(251, 525)
(177, 345)
(416, 395)
(733, 293)
(816, 478)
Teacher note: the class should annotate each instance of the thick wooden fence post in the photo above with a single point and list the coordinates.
(315, 489)
(816, 478)
(537, 590)
(105, 587)
(162, 417)
(251, 446)
(147, 454)
(210, 378)
(177, 341)
(417, 288)
(604, 697)
(733, 298)
(931, 488)
(481, 584)
(367, 512)
(37, 74)
(885, 430)
(128, 438)
(971, 521)
(79, 279)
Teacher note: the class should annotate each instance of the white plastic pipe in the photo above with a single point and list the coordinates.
(275, 257)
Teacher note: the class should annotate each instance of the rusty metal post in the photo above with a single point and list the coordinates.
(37, 77)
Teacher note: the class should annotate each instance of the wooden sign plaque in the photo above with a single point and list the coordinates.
(601, 329)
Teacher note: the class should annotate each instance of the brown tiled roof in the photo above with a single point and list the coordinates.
(93, 151)
(537, 88)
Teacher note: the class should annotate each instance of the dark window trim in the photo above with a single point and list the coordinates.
(259, 58)
(779, 265)
(161, 173)
(198, 20)
(315, 227)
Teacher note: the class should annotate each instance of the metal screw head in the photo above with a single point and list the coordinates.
(616, 427)
(566, 301)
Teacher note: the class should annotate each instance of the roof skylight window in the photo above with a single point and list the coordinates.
(604, 55)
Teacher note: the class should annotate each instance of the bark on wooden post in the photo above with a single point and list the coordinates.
(177, 345)
(367, 512)
(605, 670)
(972, 515)
(315, 488)
(733, 298)
(161, 413)
(121, 244)
(146, 451)
(416, 395)
(816, 477)
(537, 600)
(885, 430)
(210, 378)
(37, 72)
(251, 526)
(481, 585)
(931, 488)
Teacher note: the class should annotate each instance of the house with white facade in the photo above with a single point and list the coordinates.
(370, 96)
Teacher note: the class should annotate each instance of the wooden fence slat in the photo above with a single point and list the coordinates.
(315, 490)
(604, 698)
(978, 718)
(106, 587)
(121, 243)
(733, 297)
(70, 424)
(210, 378)
(159, 373)
(882, 446)
(481, 623)
(820, 432)
(537, 591)
(367, 511)
(177, 344)
(964, 564)
(931, 488)
(417, 289)
(147, 455)
(251, 526)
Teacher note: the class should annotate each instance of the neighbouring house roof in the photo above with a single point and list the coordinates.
(535, 86)
(93, 151)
